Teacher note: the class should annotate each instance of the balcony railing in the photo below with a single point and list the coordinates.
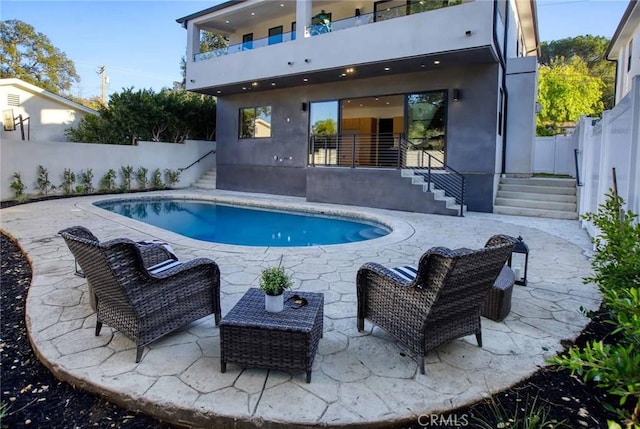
(387, 151)
(341, 24)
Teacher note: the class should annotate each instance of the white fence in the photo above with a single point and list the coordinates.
(24, 157)
(555, 155)
(610, 143)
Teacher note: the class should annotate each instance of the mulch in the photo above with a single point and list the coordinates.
(34, 398)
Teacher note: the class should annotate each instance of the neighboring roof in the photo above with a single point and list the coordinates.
(37, 90)
(224, 5)
(630, 20)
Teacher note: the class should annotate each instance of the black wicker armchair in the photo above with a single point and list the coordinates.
(442, 301)
(141, 289)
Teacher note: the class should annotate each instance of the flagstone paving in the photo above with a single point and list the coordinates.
(359, 378)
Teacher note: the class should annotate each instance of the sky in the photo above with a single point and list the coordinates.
(141, 44)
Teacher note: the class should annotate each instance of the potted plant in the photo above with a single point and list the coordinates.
(273, 282)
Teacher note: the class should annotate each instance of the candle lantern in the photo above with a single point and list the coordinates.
(519, 261)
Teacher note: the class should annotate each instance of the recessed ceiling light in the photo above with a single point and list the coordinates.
(273, 84)
(305, 79)
(377, 99)
(348, 101)
(253, 14)
(422, 65)
(254, 84)
(436, 62)
(387, 68)
(218, 92)
(387, 102)
(361, 104)
(350, 70)
(281, 4)
(244, 87)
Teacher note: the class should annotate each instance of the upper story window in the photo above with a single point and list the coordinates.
(255, 122)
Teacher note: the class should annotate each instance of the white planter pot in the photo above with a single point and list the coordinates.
(273, 303)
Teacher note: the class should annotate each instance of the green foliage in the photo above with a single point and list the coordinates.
(156, 179)
(108, 181)
(169, 116)
(616, 267)
(30, 56)
(534, 416)
(171, 177)
(68, 180)
(126, 173)
(592, 50)
(141, 178)
(43, 184)
(566, 91)
(325, 127)
(274, 280)
(18, 186)
(86, 179)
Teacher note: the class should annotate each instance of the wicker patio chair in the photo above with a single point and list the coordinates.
(140, 289)
(442, 303)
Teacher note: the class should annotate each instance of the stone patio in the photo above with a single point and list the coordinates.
(359, 379)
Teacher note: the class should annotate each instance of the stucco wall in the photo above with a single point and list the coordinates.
(522, 87)
(24, 157)
(48, 119)
(471, 141)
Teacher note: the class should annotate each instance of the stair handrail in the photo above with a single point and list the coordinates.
(575, 158)
(197, 160)
(454, 187)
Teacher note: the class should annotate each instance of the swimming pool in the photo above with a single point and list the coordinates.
(247, 226)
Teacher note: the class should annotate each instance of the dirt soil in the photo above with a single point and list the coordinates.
(36, 399)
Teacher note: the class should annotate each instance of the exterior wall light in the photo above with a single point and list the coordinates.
(457, 96)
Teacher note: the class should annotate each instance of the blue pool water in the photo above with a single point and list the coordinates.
(245, 226)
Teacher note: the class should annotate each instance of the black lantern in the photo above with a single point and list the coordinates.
(519, 261)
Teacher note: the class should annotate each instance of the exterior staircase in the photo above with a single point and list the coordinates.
(438, 194)
(537, 197)
(207, 181)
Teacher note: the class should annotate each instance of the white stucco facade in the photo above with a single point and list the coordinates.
(45, 116)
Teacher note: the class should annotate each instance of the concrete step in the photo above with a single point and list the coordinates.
(536, 204)
(537, 181)
(537, 189)
(204, 185)
(539, 197)
(523, 211)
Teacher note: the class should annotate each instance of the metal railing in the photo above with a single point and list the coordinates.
(197, 160)
(575, 159)
(387, 151)
(436, 173)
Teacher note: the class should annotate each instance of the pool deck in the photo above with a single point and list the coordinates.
(360, 379)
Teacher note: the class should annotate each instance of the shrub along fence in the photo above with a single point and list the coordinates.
(41, 166)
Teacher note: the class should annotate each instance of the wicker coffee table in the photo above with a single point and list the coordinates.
(254, 338)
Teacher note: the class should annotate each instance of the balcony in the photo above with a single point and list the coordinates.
(325, 25)
(393, 40)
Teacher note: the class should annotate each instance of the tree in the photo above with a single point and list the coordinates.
(170, 116)
(592, 50)
(566, 91)
(30, 56)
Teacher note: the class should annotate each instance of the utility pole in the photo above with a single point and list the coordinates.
(103, 72)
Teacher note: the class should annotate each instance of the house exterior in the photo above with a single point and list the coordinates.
(35, 113)
(363, 97)
(624, 49)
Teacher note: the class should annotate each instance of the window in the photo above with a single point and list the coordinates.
(255, 122)
(426, 119)
(293, 30)
(247, 41)
(630, 55)
(500, 112)
(275, 35)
